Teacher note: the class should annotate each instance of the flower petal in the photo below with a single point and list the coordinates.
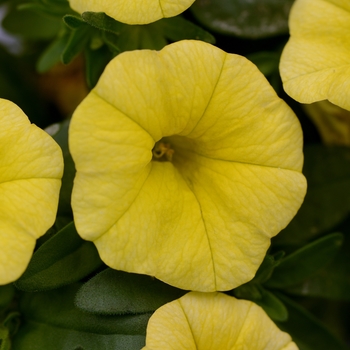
(203, 221)
(133, 11)
(112, 157)
(241, 207)
(315, 62)
(201, 321)
(153, 252)
(31, 167)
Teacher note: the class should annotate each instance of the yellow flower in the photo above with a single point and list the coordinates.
(187, 164)
(208, 321)
(31, 167)
(133, 11)
(315, 62)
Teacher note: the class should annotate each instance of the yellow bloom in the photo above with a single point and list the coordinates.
(187, 164)
(208, 321)
(315, 62)
(133, 11)
(31, 167)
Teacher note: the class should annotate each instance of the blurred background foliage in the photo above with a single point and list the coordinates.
(50, 58)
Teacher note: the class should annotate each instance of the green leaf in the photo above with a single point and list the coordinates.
(141, 37)
(306, 330)
(36, 336)
(272, 305)
(267, 266)
(305, 261)
(101, 21)
(130, 38)
(51, 321)
(247, 19)
(178, 28)
(95, 63)
(118, 292)
(77, 41)
(327, 202)
(56, 308)
(63, 259)
(249, 291)
(331, 281)
(150, 37)
(111, 40)
(73, 22)
(264, 298)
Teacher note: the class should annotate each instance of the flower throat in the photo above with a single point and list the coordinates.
(162, 152)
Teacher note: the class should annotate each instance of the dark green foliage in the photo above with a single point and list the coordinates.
(118, 292)
(63, 259)
(247, 19)
(306, 330)
(304, 262)
(51, 321)
(327, 202)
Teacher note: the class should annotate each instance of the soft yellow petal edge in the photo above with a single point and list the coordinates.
(31, 166)
(133, 11)
(206, 321)
(315, 62)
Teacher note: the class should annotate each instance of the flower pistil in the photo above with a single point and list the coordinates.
(162, 152)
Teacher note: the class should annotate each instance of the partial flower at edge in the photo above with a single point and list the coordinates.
(315, 64)
(31, 167)
(133, 11)
(206, 321)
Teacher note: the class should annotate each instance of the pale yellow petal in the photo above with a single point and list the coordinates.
(17, 249)
(236, 210)
(165, 85)
(204, 220)
(207, 321)
(238, 126)
(31, 167)
(315, 62)
(108, 182)
(133, 11)
(203, 111)
(170, 241)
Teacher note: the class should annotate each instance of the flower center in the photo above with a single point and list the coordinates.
(162, 152)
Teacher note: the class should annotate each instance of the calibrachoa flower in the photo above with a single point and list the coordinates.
(187, 164)
(133, 11)
(31, 166)
(203, 321)
(315, 62)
